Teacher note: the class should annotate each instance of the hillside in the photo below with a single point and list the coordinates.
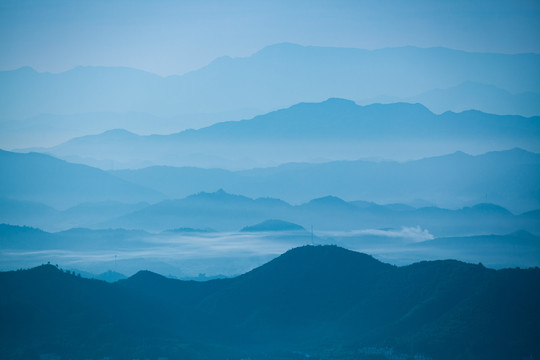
(326, 302)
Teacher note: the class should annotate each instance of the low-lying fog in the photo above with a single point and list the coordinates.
(208, 254)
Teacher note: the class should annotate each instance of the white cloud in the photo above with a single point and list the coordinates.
(414, 234)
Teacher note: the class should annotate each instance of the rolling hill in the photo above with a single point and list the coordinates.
(321, 302)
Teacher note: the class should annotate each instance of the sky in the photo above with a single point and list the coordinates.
(173, 37)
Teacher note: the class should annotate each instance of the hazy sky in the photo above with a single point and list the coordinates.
(172, 37)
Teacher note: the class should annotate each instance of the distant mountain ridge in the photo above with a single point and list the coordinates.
(46, 130)
(331, 130)
(509, 178)
(222, 211)
(475, 96)
(322, 301)
(226, 212)
(276, 76)
(273, 225)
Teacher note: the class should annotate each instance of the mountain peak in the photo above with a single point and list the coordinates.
(317, 260)
(489, 208)
(339, 101)
(329, 201)
(401, 109)
(118, 132)
(45, 270)
(461, 154)
(333, 102)
(310, 298)
(273, 225)
(145, 276)
(219, 194)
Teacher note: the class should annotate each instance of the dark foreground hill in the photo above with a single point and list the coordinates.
(325, 302)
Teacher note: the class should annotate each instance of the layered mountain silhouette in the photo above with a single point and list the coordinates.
(277, 76)
(226, 212)
(321, 302)
(131, 199)
(169, 183)
(222, 211)
(335, 129)
(510, 178)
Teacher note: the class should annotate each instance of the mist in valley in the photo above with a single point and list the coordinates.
(325, 180)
